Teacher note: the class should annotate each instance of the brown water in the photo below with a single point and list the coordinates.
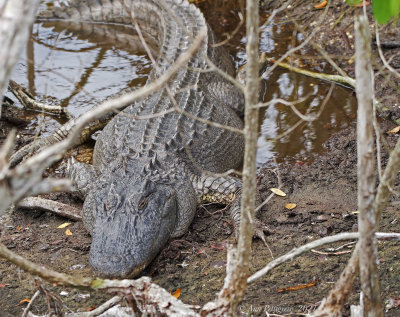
(78, 70)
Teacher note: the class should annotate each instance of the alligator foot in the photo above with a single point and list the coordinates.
(227, 190)
(259, 228)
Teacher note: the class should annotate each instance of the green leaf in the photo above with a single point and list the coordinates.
(353, 2)
(97, 283)
(384, 10)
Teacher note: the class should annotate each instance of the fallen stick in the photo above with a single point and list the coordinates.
(29, 102)
(330, 253)
(52, 206)
(343, 80)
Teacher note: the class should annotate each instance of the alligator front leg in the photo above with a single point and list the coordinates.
(57, 136)
(83, 176)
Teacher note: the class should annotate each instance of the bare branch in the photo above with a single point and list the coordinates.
(383, 59)
(48, 275)
(16, 19)
(236, 283)
(351, 270)
(149, 297)
(298, 47)
(305, 117)
(369, 277)
(230, 35)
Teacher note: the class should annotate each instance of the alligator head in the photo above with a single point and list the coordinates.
(131, 220)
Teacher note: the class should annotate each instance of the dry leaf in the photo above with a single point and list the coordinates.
(19, 228)
(93, 307)
(394, 130)
(4, 285)
(298, 287)
(321, 5)
(218, 246)
(56, 242)
(177, 293)
(278, 192)
(201, 251)
(290, 206)
(65, 224)
(26, 300)
(68, 232)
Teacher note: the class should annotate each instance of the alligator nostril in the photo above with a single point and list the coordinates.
(115, 259)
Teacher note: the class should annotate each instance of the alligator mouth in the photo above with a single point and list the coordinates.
(137, 271)
(113, 267)
(110, 266)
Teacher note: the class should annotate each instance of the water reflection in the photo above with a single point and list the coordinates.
(275, 40)
(79, 67)
(73, 70)
(308, 138)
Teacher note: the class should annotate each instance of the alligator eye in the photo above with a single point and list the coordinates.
(142, 203)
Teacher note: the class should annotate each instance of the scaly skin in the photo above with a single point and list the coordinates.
(144, 187)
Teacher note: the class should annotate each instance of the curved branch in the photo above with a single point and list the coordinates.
(316, 243)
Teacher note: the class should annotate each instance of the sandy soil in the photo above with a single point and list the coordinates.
(324, 191)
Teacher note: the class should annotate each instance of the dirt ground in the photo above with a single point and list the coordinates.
(323, 190)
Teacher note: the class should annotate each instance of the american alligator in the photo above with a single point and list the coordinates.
(149, 175)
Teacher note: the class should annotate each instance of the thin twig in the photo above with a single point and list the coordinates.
(101, 309)
(334, 301)
(346, 80)
(28, 307)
